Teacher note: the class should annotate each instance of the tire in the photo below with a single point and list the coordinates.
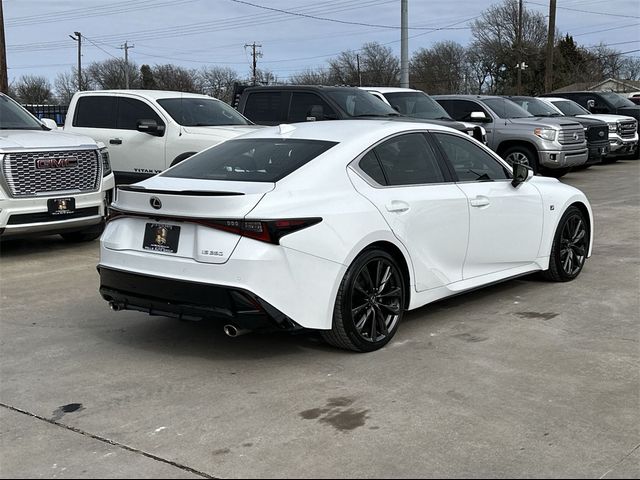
(373, 284)
(86, 235)
(570, 247)
(523, 154)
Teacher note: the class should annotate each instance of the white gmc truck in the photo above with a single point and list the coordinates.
(147, 131)
(50, 182)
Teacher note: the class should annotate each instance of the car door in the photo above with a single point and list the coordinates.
(461, 110)
(407, 182)
(505, 223)
(112, 120)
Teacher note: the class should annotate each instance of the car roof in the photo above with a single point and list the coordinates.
(466, 97)
(327, 88)
(345, 130)
(390, 89)
(149, 94)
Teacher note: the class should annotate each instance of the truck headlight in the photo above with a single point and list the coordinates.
(613, 127)
(106, 164)
(546, 133)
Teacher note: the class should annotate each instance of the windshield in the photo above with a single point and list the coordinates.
(570, 108)
(506, 108)
(416, 104)
(536, 107)
(201, 112)
(250, 160)
(14, 117)
(358, 103)
(617, 100)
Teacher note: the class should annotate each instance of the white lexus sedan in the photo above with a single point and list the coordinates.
(336, 226)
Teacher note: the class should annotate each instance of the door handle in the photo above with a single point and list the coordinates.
(397, 206)
(115, 141)
(479, 201)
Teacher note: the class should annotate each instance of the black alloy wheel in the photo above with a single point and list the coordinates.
(570, 247)
(369, 305)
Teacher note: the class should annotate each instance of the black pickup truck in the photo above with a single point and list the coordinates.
(276, 104)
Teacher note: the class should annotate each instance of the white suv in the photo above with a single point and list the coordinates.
(50, 182)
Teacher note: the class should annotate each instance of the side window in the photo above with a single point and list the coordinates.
(470, 162)
(95, 112)
(369, 164)
(131, 110)
(461, 109)
(305, 105)
(409, 160)
(264, 107)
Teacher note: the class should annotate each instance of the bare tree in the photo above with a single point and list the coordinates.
(495, 35)
(66, 84)
(33, 89)
(110, 74)
(265, 77)
(218, 82)
(440, 69)
(174, 77)
(373, 65)
(631, 68)
(319, 76)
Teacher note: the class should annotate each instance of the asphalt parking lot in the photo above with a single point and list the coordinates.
(522, 379)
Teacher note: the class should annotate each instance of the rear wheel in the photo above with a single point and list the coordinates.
(570, 247)
(521, 154)
(369, 304)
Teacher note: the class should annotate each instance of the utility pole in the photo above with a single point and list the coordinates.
(78, 38)
(519, 51)
(126, 48)
(4, 79)
(404, 43)
(548, 74)
(358, 67)
(255, 55)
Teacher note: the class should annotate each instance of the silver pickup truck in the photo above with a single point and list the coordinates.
(549, 146)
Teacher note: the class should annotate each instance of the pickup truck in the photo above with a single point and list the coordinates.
(595, 131)
(623, 133)
(272, 105)
(50, 182)
(148, 131)
(417, 104)
(604, 103)
(549, 146)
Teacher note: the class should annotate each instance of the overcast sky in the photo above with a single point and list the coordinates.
(195, 33)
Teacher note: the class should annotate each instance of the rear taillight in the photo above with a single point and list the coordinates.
(270, 231)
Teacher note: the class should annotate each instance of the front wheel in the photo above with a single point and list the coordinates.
(369, 304)
(570, 247)
(521, 154)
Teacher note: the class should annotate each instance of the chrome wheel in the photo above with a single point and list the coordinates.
(573, 245)
(376, 300)
(517, 157)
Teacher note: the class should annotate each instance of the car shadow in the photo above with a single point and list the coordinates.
(16, 247)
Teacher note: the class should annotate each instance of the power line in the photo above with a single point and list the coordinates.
(326, 19)
(587, 11)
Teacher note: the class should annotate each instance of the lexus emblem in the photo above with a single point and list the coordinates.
(155, 203)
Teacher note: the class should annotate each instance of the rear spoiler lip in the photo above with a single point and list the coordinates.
(191, 193)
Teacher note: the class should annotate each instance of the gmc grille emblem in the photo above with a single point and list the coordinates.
(59, 162)
(155, 203)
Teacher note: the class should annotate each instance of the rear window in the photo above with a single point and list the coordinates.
(250, 160)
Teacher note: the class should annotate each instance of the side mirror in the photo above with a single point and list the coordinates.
(479, 117)
(520, 173)
(316, 112)
(151, 127)
(49, 123)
